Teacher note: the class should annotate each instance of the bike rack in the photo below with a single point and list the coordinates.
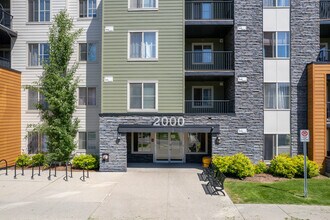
(15, 171)
(66, 170)
(6, 165)
(32, 176)
(83, 177)
(50, 169)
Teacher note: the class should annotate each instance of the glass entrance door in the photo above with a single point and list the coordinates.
(169, 147)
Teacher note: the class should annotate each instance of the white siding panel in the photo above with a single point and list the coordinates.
(277, 122)
(276, 19)
(89, 74)
(276, 70)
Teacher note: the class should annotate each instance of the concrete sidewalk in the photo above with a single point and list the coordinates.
(142, 193)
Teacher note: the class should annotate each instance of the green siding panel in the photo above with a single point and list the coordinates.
(168, 70)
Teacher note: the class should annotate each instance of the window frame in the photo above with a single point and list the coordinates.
(202, 44)
(196, 153)
(39, 100)
(277, 96)
(38, 21)
(276, 5)
(142, 152)
(142, 9)
(39, 61)
(276, 55)
(86, 96)
(86, 141)
(193, 95)
(129, 45)
(87, 48)
(129, 98)
(87, 8)
(276, 147)
(40, 143)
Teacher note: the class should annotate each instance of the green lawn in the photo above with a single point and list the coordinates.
(284, 192)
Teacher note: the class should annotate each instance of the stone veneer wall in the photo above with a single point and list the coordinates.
(305, 29)
(231, 141)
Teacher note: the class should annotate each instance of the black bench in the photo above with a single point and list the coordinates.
(216, 181)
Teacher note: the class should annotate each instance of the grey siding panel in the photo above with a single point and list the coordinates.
(168, 70)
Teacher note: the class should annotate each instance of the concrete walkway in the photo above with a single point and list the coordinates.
(141, 193)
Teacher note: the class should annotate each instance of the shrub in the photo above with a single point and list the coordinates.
(241, 166)
(260, 167)
(222, 162)
(85, 161)
(313, 168)
(38, 159)
(282, 165)
(23, 160)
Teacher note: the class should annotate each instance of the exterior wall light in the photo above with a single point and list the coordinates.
(105, 157)
(217, 140)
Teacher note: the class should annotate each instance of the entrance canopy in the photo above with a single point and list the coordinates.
(127, 128)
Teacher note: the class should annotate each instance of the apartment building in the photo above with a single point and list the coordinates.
(185, 79)
(27, 47)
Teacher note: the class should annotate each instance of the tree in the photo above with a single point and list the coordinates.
(58, 86)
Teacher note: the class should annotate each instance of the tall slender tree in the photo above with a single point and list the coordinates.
(58, 86)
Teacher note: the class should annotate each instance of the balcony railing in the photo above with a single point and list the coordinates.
(4, 62)
(209, 106)
(208, 61)
(209, 10)
(5, 18)
(324, 56)
(325, 9)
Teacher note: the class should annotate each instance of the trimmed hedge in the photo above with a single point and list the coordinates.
(85, 161)
(23, 160)
(260, 167)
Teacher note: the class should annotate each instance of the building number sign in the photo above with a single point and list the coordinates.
(168, 121)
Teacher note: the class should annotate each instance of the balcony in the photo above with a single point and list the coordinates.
(209, 61)
(4, 62)
(209, 106)
(5, 18)
(323, 56)
(209, 12)
(325, 9)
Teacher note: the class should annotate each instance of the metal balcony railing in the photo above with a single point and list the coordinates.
(4, 62)
(209, 10)
(205, 61)
(324, 9)
(209, 106)
(324, 55)
(5, 18)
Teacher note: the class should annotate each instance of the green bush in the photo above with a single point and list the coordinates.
(260, 167)
(313, 168)
(38, 159)
(85, 161)
(23, 160)
(237, 165)
(222, 162)
(283, 165)
(241, 166)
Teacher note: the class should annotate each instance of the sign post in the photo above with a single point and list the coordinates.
(304, 137)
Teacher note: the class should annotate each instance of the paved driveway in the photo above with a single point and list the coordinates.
(141, 193)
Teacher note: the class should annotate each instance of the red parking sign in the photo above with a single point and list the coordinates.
(304, 135)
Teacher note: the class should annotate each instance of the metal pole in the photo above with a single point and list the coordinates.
(305, 171)
(32, 172)
(66, 171)
(15, 172)
(39, 171)
(22, 170)
(50, 171)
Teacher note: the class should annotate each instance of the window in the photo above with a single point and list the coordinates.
(38, 54)
(202, 10)
(87, 96)
(276, 3)
(143, 45)
(276, 144)
(197, 143)
(143, 4)
(203, 96)
(203, 53)
(87, 8)
(36, 143)
(141, 142)
(39, 10)
(87, 52)
(277, 44)
(35, 98)
(87, 140)
(142, 96)
(277, 95)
